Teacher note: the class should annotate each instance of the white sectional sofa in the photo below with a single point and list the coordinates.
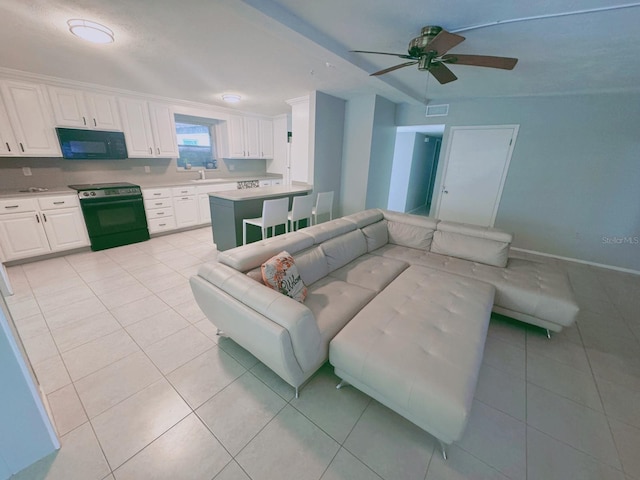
(399, 304)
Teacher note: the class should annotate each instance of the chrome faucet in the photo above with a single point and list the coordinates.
(202, 175)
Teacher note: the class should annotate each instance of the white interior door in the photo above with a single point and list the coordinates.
(476, 167)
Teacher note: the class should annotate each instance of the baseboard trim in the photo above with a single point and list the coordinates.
(577, 260)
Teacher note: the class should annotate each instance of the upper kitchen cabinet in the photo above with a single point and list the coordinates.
(8, 144)
(245, 137)
(149, 129)
(31, 120)
(79, 109)
(266, 138)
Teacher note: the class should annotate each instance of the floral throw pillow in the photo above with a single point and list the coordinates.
(281, 274)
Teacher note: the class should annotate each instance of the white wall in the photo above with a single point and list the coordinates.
(328, 117)
(381, 157)
(574, 179)
(27, 434)
(356, 151)
(418, 183)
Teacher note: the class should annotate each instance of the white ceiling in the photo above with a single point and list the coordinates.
(269, 51)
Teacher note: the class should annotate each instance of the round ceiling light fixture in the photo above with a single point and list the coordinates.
(231, 98)
(90, 31)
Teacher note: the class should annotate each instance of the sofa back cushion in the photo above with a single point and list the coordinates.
(312, 264)
(376, 235)
(324, 231)
(366, 217)
(410, 231)
(469, 242)
(341, 250)
(253, 255)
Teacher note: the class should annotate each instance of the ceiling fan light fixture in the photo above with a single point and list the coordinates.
(91, 31)
(231, 98)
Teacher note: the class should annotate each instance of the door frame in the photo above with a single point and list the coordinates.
(445, 164)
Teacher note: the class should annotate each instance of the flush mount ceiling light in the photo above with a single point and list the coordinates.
(90, 31)
(231, 98)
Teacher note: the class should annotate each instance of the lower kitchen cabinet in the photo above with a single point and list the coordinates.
(39, 226)
(185, 206)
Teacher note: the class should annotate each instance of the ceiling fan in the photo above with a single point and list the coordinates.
(429, 52)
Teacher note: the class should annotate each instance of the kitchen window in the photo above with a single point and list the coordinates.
(196, 145)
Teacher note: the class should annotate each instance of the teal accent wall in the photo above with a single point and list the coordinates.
(573, 187)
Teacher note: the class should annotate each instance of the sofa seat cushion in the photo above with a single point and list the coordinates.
(333, 303)
(371, 271)
(418, 346)
(535, 289)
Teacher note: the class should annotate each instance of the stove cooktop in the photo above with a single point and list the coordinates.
(101, 186)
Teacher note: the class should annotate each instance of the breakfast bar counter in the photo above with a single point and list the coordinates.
(229, 208)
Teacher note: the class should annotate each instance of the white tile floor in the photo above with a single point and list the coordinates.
(141, 388)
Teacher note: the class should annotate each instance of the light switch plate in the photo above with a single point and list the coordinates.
(26, 171)
(147, 169)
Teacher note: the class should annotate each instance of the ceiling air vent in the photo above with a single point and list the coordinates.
(437, 110)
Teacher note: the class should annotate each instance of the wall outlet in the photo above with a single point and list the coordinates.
(147, 169)
(26, 171)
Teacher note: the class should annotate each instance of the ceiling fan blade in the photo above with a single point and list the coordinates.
(400, 55)
(391, 69)
(443, 42)
(504, 63)
(442, 73)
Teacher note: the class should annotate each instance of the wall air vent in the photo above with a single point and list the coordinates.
(437, 110)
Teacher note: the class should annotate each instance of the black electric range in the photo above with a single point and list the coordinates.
(113, 212)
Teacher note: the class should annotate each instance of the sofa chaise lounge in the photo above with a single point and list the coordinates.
(399, 304)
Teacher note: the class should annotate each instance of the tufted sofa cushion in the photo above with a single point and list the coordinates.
(538, 290)
(370, 271)
(417, 348)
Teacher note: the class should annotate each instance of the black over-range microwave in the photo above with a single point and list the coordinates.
(79, 144)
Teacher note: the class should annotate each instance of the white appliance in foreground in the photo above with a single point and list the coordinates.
(27, 432)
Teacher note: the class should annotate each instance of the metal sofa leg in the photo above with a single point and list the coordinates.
(342, 383)
(548, 333)
(443, 449)
(297, 392)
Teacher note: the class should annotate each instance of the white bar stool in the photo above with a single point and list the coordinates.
(324, 204)
(274, 213)
(301, 210)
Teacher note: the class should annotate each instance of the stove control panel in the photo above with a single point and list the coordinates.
(110, 193)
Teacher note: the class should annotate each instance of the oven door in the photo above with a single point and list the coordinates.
(114, 222)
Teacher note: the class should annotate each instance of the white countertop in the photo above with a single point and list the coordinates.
(8, 193)
(262, 192)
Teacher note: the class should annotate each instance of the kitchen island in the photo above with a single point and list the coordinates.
(229, 208)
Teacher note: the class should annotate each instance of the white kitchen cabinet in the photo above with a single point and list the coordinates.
(266, 183)
(163, 126)
(244, 137)
(30, 118)
(149, 129)
(80, 109)
(40, 226)
(8, 144)
(185, 206)
(266, 138)
(203, 192)
(158, 206)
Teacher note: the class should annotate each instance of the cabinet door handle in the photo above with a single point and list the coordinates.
(151, 150)
(95, 124)
(162, 224)
(156, 194)
(159, 203)
(8, 146)
(45, 217)
(185, 198)
(11, 206)
(21, 147)
(84, 120)
(158, 150)
(159, 213)
(59, 203)
(37, 218)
